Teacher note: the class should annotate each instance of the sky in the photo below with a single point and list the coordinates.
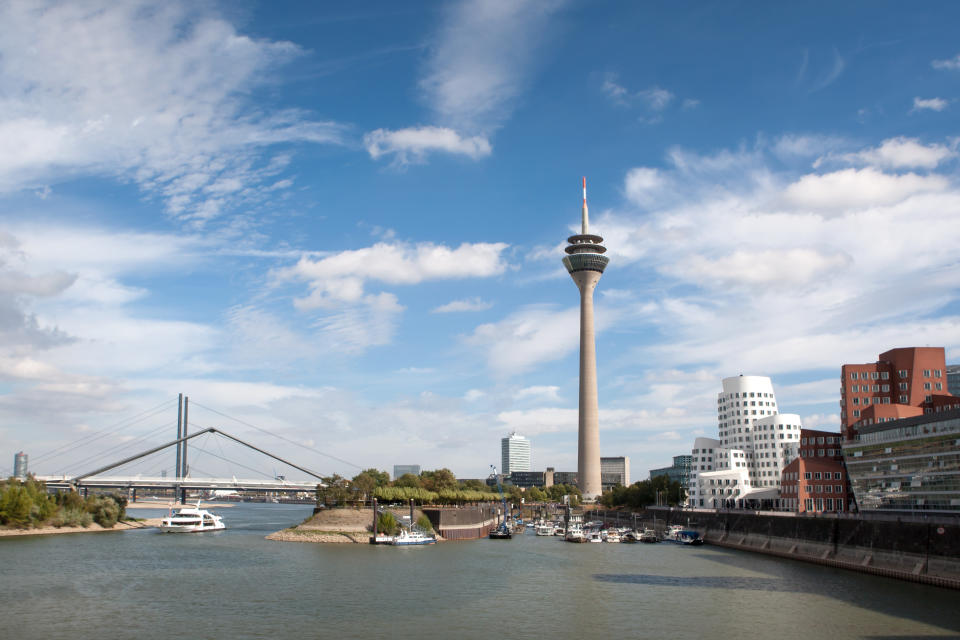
(337, 228)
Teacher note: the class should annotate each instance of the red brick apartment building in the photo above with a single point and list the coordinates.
(902, 383)
(816, 481)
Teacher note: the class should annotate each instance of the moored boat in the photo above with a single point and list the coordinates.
(413, 537)
(649, 536)
(191, 520)
(689, 536)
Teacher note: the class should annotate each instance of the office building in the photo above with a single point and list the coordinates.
(514, 454)
(585, 262)
(679, 471)
(953, 379)
(909, 465)
(403, 469)
(527, 479)
(742, 467)
(614, 472)
(902, 383)
(816, 480)
(20, 465)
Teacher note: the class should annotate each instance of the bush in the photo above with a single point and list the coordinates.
(71, 517)
(387, 524)
(104, 509)
(424, 524)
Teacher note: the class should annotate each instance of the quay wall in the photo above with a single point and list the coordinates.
(917, 550)
(463, 523)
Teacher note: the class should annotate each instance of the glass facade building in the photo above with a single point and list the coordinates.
(907, 465)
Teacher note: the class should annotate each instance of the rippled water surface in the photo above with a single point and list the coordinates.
(236, 584)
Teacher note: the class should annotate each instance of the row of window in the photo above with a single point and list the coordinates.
(875, 375)
(820, 440)
(808, 453)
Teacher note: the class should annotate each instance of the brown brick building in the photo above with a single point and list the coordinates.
(816, 480)
(902, 383)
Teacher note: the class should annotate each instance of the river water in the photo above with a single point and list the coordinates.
(236, 584)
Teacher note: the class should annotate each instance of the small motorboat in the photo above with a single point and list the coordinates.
(649, 536)
(191, 520)
(414, 537)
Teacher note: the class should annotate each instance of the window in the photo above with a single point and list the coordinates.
(884, 375)
(875, 375)
(926, 386)
(939, 386)
(856, 401)
(903, 400)
(816, 475)
(809, 504)
(839, 505)
(886, 388)
(876, 388)
(903, 386)
(829, 504)
(928, 398)
(926, 373)
(836, 475)
(853, 375)
(806, 475)
(902, 373)
(838, 488)
(866, 401)
(936, 373)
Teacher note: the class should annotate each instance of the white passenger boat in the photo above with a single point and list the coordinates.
(575, 534)
(545, 529)
(408, 538)
(191, 520)
(612, 535)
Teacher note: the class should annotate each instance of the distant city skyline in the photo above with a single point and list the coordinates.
(339, 232)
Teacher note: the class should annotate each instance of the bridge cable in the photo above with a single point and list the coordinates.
(115, 449)
(103, 432)
(293, 442)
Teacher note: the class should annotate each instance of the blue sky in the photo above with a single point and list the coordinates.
(344, 224)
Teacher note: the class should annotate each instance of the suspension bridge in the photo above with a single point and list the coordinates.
(183, 479)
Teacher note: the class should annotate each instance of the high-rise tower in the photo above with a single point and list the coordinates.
(585, 262)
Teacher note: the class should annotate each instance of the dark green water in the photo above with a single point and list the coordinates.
(235, 584)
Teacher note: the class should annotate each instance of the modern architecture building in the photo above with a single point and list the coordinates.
(20, 465)
(527, 479)
(614, 471)
(742, 467)
(552, 477)
(953, 379)
(678, 472)
(908, 465)
(585, 262)
(902, 383)
(403, 469)
(514, 454)
(816, 480)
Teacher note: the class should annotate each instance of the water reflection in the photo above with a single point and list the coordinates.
(700, 582)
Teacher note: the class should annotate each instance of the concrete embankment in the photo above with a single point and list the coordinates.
(350, 525)
(926, 551)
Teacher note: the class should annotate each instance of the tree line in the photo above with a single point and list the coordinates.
(660, 490)
(27, 505)
(430, 487)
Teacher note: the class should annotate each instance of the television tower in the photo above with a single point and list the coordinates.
(585, 262)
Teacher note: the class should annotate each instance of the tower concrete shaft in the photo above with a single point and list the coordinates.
(585, 262)
(588, 441)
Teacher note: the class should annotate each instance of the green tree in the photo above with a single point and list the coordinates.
(535, 494)
(424, 524)
(387, 524)
(438, 480)
(408, 480)
(364, 483)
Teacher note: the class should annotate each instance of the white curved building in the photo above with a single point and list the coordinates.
(742, 467)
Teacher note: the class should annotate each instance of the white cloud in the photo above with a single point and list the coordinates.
(480, 59)
(643, 185)
(950, 64)
(152, 94)
(340, 277)
(779, 267)
(616, 92)
(470, 304)
(656, 98)
(539, 392)
(858, 188)
(895, 153)
(933, 104)
(415, 143)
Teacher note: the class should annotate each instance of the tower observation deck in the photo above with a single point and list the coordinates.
(585, 262)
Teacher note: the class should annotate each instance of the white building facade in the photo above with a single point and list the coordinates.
(742, 467)
(514, 454)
